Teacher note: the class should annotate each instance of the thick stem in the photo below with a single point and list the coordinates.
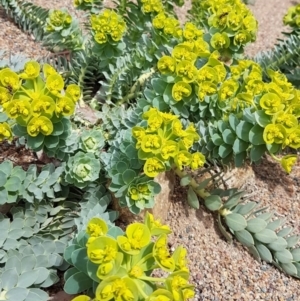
(200, 192)
(145, 259)
(123, 4)
(140, 82)
(154, 279)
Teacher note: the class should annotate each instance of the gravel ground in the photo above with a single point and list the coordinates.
(219, 270)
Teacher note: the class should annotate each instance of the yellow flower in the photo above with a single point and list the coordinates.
(294, 110)
(198, 160)
(206, 88)
(171, 26)
(64, 106)
(38, 125)
(177, 284)
(151, 144)
(207, 73)
(55, 83)
(182, 52)
(179, 256)
(136, 272)
(228, 89)
(153, 167)
(177, 128)
(5, 132)
(271, 103)
(241, 38)
(180, 90)
(119, 289)
(58, 18)
(96, 227)
(155, 121)
(155, 226)
(201, 48)
(10, 80)
(287, 162)
(31, 70)
(220, 41)
(274, 133)
(250, 24)
(234, 20)
(166, 65)
(221, 71)
(191, 32)
(5, 96)
(169, 149)
(74, 91)
(43, 106)
(293, 139)
(137, 237)
(187, 71)
(18, 108)
(162, 255)
(289, 121)
(48, 70)
(182, 158)
(161, 295)
(255, 86)
(167, 117)
(133, 193)
(159, 21)
(103, 249)
(100, 37)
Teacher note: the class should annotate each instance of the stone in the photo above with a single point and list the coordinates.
(162, 202)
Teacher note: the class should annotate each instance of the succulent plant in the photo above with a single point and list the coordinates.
(17, 184)
(92, 141)
(256, 229)
(82, 169)
(105, 257)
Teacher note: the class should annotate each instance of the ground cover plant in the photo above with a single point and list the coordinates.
(138, 94)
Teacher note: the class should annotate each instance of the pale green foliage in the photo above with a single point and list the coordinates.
(257, 229)
(82, 169)
(17, 184)
(91, 141)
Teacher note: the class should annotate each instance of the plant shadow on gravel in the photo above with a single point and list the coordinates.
(273, 175)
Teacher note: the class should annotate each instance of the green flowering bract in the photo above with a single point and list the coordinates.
(5, 132)
(274, 133)
(121, 264)
(167, 145)
(287, 162)
(82, 169)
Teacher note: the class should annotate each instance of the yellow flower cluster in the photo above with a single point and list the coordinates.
(125, 262)
(278, 99)
(152, 6)
(35, 103)
(106, 25)
(58, 19)
(181, 64)
(165, 143)
(234, 21)
(169, 25)
(292, 17)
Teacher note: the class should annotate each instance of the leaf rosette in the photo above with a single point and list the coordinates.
(82, 169)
